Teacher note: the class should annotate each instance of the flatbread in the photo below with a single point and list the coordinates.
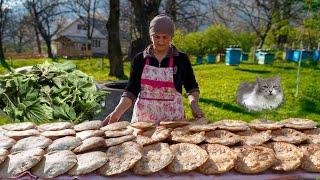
(222, 137)
(88, 162)
(17, 135)
(58, 133)
(183, 135)
(221, 159)
(118, 133)
(2, 132)
(187, 157)
(313, 135)
(33, 142)
(288, 156)
(253, 137)
(153, 135)
(154, 158)
(174, 124)
(6, 142)
(142, 125)
(121, 158)
(17, 163)
(54, 164)
(3, 155)
(65, 143)
(19, 126)
(311, 158)
(288, 135)
(118, 140)
(55, 126)
(88, 125)
(116, 126)
(89, 133)
(90, 144)
(299, 123)
(202, 127)
(265, 124)
(232, 125)
(254, 159)
(200, 121)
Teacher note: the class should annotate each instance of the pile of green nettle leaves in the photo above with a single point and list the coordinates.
(50, 92)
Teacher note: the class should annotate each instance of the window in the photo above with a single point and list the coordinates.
(95, 43)
(81, 27)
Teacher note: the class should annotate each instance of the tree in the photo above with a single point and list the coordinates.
(47, 16)
(4, 11)
(143, 11)
(114, 47)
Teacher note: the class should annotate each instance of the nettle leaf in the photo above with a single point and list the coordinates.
(64, 111)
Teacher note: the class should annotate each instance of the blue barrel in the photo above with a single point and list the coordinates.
(233, 56)
(244, 57)
(211, 59)
(289, 55)
(316, 55)
(296, 55)
(199, 59)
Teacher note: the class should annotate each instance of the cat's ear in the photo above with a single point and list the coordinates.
(277, 77)
(258, 79)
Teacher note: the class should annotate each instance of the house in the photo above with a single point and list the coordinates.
(72, 40)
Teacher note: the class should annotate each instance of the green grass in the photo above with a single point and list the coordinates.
(218, 84)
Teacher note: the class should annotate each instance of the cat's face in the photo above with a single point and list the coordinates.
(270, 87)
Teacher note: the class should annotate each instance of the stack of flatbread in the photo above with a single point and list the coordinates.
(62, 148)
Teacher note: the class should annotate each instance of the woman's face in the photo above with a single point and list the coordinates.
(161, 42)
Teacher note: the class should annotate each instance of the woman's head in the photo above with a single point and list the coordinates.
(161, 31)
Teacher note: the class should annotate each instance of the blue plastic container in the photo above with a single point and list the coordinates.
(233, 56)
(265, 57)
(244, 57)
(289, 55)
(211, 59)
(316, 55)
(305, 55)
(199, 59)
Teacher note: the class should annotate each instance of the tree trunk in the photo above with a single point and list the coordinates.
(144, 11)
(171, 9)
(38, 40)
(114, 47)
(48, 43)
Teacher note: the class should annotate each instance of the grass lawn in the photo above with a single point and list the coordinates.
(218, 84)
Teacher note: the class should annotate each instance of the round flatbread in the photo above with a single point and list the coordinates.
(17, 135)
(89, 133)
(311, 158)
(288, 156)
(6, 142)
(154, 135)
(90, 144)
(222, 137)
(202, 127)
(232, 125)
(254, 138)
(33, 142)
(55, 126)
(183, 135)
(65, 143)
(265, 124)
(88, 125)
(121, 158)
(221, 159)
(313, 135)
(254, 159)
(118, 133)
(154, 158)
(288, 135)
(116, 126)
(118, 140)
(174, 124)
(19, 126)
(187, 157)
(17, 163)
(88, 162)
(142, 125)
(58, 134)
(199, 121)
(299, 123)
(54, 164)
(2, 132)
(3, 155)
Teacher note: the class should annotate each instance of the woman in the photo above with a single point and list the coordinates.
(156, 79)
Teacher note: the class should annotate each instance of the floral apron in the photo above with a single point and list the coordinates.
(158, 99)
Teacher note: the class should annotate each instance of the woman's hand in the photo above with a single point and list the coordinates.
(196, 111)
(111, 118)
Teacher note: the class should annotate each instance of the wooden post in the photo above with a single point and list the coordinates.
(298, 72)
